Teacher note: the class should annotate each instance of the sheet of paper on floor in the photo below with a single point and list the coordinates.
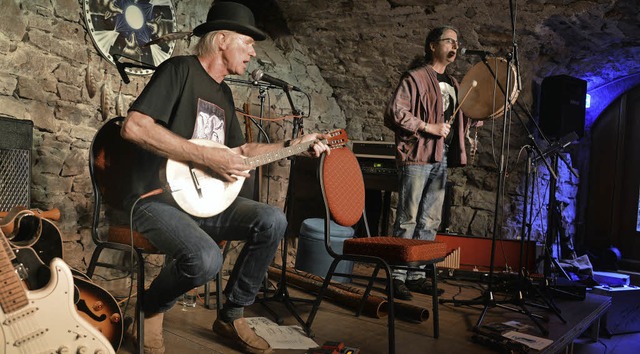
(533, 342)
(281, 337)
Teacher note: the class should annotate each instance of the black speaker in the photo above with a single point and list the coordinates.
(16, 139)
(562, 105)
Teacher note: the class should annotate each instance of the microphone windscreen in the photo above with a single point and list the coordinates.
(257, 74)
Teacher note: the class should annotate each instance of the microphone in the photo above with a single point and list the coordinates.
(482, 53)
(259, 75)
(120, 66)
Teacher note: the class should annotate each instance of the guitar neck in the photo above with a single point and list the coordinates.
(12, 295)
(268, 158)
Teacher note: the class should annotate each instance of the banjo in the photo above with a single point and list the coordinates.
(202, 195)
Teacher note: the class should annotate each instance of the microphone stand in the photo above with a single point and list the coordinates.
(281, 293)
(523, 276)
(487, 299)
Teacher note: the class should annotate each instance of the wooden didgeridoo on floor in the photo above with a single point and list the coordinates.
(351, 296)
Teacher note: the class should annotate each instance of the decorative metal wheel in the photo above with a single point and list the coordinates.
(123, 27)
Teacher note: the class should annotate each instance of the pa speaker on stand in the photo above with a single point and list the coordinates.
(562, 106)
(16, 139)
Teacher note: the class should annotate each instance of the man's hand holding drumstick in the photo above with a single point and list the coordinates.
(474, 83)
(443, 129)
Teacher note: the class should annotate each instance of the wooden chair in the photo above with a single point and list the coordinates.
(109, 160)
(343, 193)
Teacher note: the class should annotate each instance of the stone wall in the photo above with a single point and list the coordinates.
(347, 55)
(51, 73)
(362, 47)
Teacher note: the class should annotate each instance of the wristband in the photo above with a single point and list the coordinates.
(287, 143)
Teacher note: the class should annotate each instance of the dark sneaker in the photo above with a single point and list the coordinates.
(400, 291)
(422, 286)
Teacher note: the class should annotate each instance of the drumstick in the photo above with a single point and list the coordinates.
(474, 83)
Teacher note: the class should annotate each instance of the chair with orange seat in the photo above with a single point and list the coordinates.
(343, 193)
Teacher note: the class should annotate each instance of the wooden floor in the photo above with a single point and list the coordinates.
(188, 330)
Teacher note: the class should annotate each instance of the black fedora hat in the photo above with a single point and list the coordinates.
(230, 16)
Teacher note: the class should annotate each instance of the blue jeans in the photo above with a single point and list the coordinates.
(420, 200)
(194, 257)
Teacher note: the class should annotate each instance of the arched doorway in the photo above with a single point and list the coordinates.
(612, 200)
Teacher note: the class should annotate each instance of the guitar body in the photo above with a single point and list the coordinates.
(202, 195)
(96, 306)
(30, 230)
(208, 196)
(49, 244)
(93, 303)
(49, 323)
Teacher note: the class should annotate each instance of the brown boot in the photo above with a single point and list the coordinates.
(242, 335)
(153, 338)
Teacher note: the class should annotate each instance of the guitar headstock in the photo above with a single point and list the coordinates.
(337, 138)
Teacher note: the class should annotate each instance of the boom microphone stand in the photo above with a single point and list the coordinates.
(487, 299)
(281, 293)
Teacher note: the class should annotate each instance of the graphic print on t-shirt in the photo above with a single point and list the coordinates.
(209, 122)
(448, 95)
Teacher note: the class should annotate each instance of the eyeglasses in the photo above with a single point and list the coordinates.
(450, 41)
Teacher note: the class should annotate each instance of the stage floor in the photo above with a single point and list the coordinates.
(189, 330)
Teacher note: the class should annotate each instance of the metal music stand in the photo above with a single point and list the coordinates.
(524, 281)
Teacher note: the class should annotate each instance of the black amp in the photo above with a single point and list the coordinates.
(377, 161)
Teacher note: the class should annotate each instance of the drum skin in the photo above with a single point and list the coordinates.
(486, 100)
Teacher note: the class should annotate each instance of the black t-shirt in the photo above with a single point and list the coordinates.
(449, 101)
(185, 99)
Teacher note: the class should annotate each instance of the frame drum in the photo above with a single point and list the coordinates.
(486, 100)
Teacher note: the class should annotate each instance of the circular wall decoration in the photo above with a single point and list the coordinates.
(123, 27)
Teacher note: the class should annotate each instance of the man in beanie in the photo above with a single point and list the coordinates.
(429, 139)
(188, 98)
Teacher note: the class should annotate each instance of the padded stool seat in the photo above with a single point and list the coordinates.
(395, 250)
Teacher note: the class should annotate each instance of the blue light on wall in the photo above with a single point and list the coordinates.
(587, 103)
(599, 98)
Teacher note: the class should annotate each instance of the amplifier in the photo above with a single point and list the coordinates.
(376, 157)
(624, 314)
(374, 149)
(16, 139)
(377, 161)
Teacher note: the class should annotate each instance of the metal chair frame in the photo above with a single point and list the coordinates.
(355, 184)
(109, 136)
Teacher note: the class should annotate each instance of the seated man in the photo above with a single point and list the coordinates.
(188, 98)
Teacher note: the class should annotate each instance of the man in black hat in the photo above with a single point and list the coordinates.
(188, 98)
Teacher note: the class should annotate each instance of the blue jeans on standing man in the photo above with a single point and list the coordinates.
(191, 247)
(420, 200)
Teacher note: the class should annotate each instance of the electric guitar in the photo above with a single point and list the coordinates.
(45, 320)
(9, 219)
(202, 195)
(36, 242)
(93, 303)
(32, 229)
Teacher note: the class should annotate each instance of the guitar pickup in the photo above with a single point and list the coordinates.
(22, 271)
